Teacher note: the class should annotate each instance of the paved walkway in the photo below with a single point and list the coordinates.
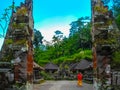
(62, 85)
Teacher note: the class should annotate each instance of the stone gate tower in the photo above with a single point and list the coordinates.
(17, 48)
(104, 41)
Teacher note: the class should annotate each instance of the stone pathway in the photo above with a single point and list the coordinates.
(62, 85)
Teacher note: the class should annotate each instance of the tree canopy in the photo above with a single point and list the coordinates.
(64, 49)
(37, 38)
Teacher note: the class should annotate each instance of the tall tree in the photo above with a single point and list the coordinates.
(57, 40)
(58, 36)
(81, 30)
(37, 38)
(116, 11)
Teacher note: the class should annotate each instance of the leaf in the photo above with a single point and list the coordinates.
(6, 9)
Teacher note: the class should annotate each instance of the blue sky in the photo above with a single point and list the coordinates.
(52, 8)
(58, 14)
(52, 15)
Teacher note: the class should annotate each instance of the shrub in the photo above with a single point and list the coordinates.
(46, 76)
(116, 57)
(8, 41)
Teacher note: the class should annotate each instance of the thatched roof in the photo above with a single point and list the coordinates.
(35, 65)
(51, 66)
(83, 64)
(72, 66)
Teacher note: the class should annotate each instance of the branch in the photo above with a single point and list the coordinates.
(7, 13)
(1, 26)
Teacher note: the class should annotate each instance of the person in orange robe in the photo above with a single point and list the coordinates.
(79, 77)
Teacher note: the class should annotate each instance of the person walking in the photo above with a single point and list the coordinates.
(79, 77)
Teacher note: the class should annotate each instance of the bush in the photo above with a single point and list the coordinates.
(8, 41)
(116, 57)
(46, 76)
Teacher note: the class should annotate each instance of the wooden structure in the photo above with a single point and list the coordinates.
(36, 71)
(83, 66)
(80, 66)
(51, 68)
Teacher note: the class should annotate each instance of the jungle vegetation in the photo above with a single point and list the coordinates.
(66, 49)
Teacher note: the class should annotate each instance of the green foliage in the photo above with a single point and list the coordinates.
(8, 57)
(59, 60)
(66, 67)
(8, 41)
(18, 26)
(67, 49)
(58, 36)
(107, 41)
(37, 38)
(46, 76)
(20, 42)
(86, 54)
(101, 9)
(22, 11)
(116, 57)
(43, 62)
(116, 12)
(116, 8)
(118, 21)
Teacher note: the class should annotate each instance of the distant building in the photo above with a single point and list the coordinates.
(50, 67)
(36, 71)
(80, 66)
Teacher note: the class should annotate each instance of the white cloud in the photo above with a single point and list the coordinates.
(1, 42)
(48, 32)
(49, 26)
